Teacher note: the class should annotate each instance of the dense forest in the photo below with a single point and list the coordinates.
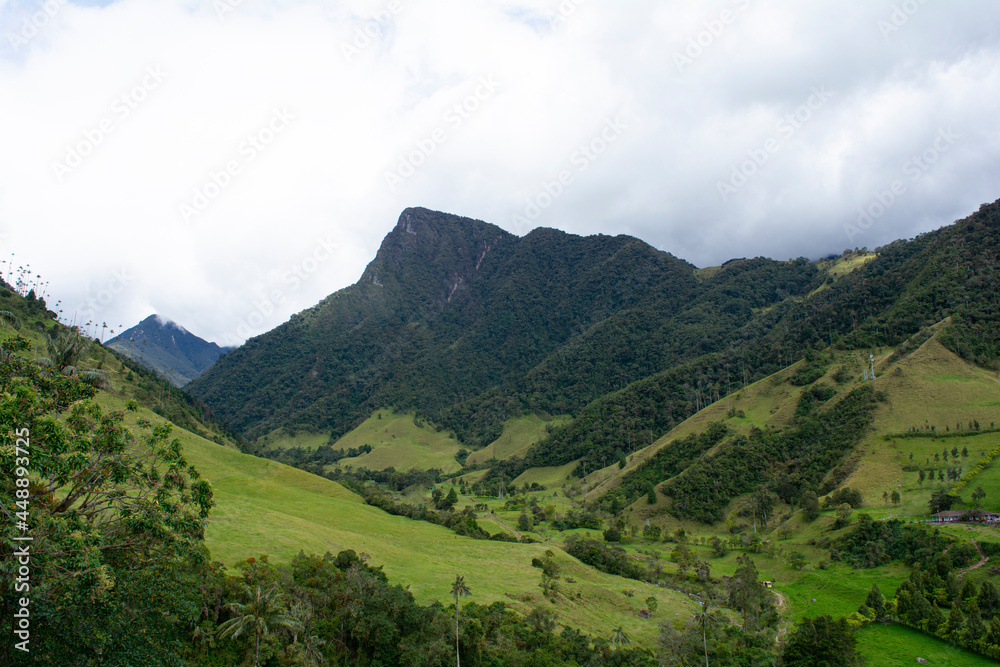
(470, 326)
(935, 598)
(789, 463)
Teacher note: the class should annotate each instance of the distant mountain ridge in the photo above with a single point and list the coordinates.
(167, 348)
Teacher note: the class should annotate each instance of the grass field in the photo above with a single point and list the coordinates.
(934, 387)
(263, 507)
(844, 265)
(548, 477)
(929, 387)
(896, 645)
(838, 591)
(519, 434)
(399, 442)
(706, 273)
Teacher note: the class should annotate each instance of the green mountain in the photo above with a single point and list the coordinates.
(695, 432)
(167, 348)
(470, 325)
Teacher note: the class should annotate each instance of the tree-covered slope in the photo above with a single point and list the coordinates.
(910, 285)
(449, 310)
(471, 326)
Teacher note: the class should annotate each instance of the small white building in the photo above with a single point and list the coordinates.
(977, 516)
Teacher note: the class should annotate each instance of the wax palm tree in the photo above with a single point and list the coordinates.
(704, 619)
(458, 589)
(619, 638)
(266, 611)
(310, 649)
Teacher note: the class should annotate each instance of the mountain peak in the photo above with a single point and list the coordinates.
(168, 348)
(418, 221)
(156, 320)
(434, 252)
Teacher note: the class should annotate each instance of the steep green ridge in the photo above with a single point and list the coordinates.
(936, 412)
(813, 426)
(113, 371)
(928, 411)
(909, 286)
(138, 575)
(324, 369)
(471, 326)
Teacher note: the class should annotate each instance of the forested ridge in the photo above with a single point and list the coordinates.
(910, 285)
(470, 326)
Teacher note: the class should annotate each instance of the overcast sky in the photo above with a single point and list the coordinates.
(227, 164)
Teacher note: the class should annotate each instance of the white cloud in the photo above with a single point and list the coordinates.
(370, 83)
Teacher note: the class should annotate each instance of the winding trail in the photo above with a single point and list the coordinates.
(983, 560)
(782, 606)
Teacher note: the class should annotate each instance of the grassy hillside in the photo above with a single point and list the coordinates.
(895, 645)
(841, 266)
(263, 507)
(932, 387)
(400, 441)
(547, 477)
(118, 374)
(519, 434)
(925, 385)
(929, 386)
